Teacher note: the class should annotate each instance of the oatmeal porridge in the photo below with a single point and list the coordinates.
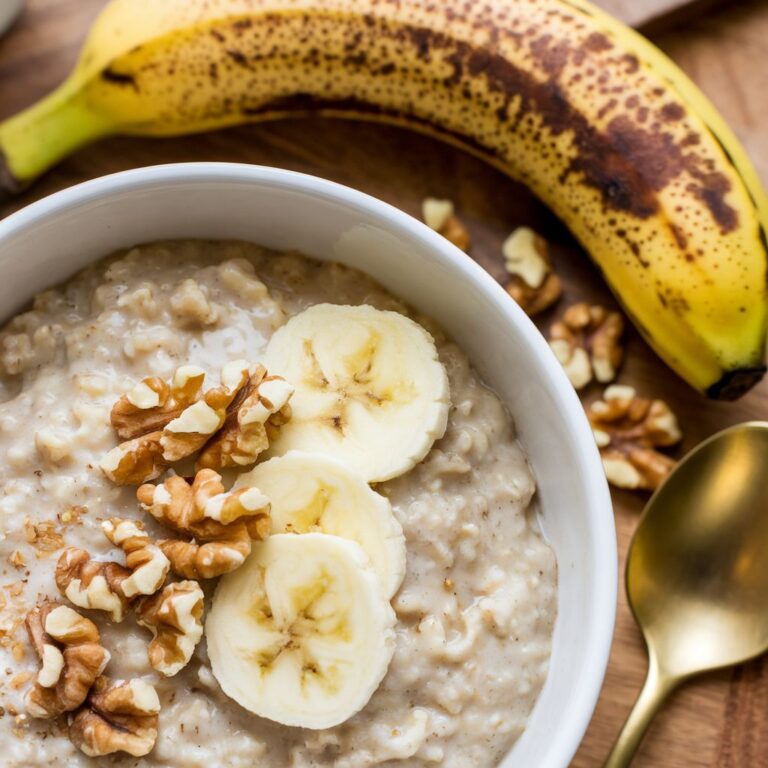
(464, 649)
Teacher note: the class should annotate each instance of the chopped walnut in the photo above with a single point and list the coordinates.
(144, 559)
(72, 514)
(139, 418)
(175, 618)
(109, 586)
(135, 461)
(586, 341)
(71, 657)
(440, 216)
(43, 536)
(628, 429)
(152, 403)
(260, 407)
(222, 524)
(232, 422)
(118, 716)
(195, 426)
(533, 283)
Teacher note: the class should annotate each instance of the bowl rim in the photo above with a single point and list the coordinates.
(604, 586)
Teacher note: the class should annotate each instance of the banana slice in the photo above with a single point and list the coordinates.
(310, 492)
(370, 389)
(301, 633)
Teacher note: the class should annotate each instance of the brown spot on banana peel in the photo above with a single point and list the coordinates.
(628, 164)
(529, 81)
(119, 78)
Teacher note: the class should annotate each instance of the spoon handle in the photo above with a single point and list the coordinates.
(655, 691)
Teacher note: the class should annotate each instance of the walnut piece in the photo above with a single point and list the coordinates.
(533, 283)
(152, 403)
(260, 407)
(162, 423)
(109, 586)
(222, 524)
(118, 716)
(587, 342)
(135, 461)
(440, 215)
(175, 618)
(144, 559)
(71, 657)
(628, 429)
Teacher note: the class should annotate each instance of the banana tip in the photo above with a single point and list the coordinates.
(733, 384)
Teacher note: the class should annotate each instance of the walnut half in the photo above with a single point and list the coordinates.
(628, 429)
(118, 716)
(71, 657)
(440, 215)
(587, 342)
(162, 423)
(260, 407)
(221, 524)
(175, 618)
(109, 586)
(533, 283)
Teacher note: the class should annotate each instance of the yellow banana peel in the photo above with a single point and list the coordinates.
(593, 118)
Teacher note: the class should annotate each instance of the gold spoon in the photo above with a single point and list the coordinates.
(697, 570)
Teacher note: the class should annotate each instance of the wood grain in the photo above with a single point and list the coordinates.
(718, 721)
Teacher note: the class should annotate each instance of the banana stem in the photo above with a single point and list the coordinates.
(37, 138)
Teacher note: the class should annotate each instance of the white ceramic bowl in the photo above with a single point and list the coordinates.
(53, 238)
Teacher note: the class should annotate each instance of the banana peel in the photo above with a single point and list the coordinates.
(594, 119)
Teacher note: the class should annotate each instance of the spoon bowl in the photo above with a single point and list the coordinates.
(696, 577)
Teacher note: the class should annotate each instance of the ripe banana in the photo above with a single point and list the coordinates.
(369, 388)
(302, 633)
(593, 118)
(314, 493)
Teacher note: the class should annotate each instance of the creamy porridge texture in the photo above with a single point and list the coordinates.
(475, 612)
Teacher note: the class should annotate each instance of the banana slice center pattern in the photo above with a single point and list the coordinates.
(370, 388)
(302, 633)
(313, 493)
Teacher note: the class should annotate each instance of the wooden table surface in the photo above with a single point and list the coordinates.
(720, 720)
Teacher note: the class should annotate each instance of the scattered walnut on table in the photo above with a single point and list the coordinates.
(587, 342)
(162, 424)
(71, 657)
(628, 429)
(533, 283)
(109, 586)
(118, 716)
(440, 215)
(221, 524)
(175, 618)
